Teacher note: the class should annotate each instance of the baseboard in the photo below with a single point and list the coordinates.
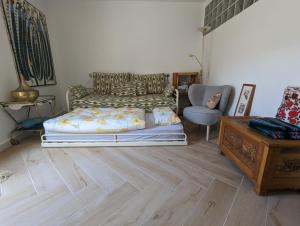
(5, 144)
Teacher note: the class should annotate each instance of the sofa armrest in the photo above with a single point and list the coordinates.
(177, 100)
(76, 92)
(68, 98)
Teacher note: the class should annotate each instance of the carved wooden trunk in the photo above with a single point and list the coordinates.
(270, 164)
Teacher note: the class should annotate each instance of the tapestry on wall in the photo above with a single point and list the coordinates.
(28, 34)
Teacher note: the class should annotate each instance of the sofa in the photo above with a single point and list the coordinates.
(117, 90)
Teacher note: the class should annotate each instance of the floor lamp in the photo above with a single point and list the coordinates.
(204, 30)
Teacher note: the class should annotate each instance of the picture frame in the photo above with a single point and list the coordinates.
(244, 103)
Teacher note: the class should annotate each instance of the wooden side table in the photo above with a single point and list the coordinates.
(182, 81)
(270, 164)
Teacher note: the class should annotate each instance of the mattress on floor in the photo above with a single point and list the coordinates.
(151, 131)
(98, 121)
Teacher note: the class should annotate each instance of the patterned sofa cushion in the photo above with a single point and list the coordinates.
(124, 90)
(150, 101)
(168, 91)
(155, 83)
(289, 110)
(103, 82)
(141, 88)
(78, 92)
(147, 102)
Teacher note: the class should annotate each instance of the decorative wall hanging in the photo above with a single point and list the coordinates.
(244, 104)
(29, 39)
(218, 12)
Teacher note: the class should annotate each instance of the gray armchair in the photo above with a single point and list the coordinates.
(199, 113)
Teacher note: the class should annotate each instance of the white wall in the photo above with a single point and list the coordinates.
(8, 78)
(260, 46)
(123, 36)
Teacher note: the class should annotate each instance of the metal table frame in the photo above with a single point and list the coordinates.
(43, 99)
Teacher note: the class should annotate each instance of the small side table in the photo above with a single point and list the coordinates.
(12, 106)
(182, 81)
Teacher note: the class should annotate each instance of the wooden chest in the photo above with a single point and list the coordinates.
(270, 164)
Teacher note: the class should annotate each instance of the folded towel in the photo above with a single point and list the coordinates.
(164, 116)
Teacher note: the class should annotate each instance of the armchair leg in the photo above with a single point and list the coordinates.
(207, 133)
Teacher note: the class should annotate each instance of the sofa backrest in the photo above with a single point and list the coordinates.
(154, 83)
(102, 82)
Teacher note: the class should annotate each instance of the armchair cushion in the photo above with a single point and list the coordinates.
(202, 115)
(214, 101)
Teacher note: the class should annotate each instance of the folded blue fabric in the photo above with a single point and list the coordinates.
(275, 128)
(266, 124)
(288, 127)
(32, 122)
(279, 134)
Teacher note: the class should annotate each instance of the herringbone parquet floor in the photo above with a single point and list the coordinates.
(192, 185)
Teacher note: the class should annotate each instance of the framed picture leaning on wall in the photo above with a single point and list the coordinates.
(244, 104)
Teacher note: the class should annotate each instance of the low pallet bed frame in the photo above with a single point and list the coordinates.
(117, 141)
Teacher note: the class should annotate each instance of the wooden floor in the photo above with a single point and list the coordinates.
(191, 185)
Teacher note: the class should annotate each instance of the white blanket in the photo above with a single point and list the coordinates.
(98, 121)
(164, 116)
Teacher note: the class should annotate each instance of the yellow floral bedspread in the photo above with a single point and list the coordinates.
(98, 121)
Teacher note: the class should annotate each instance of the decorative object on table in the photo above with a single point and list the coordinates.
(270, 164)
(182, 81)
(4, 175)
(275, 128)
(244, 104)
(199, 113)
(289, 110)
(29, 39)
(214, 101)
(24, 92)
(28, 124)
